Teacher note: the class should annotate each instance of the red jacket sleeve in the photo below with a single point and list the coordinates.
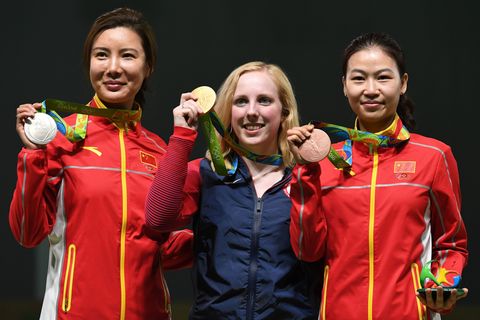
(33, 205)
(175, 184)
(448, 230)
(308, 227)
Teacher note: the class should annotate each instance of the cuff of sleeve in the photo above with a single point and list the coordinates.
(184, 133)
(37, 154)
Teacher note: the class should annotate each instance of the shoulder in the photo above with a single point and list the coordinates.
(195, 166)
(428, 143)
(149, 134)
(196, 163)
(153, 139)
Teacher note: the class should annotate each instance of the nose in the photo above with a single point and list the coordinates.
(370, 87)
(252, 109)
(114, 67)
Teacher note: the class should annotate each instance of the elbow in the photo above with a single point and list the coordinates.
(159, 226)
(29, 245)
(27, 242)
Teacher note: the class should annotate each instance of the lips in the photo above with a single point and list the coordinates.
(113, 85)
(370, 104)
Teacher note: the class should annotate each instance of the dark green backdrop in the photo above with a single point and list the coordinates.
(200, 42)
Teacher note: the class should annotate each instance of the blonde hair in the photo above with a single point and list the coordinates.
(290, 116)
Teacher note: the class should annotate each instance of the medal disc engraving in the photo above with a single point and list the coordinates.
(205, 97)
(41, 129)
(316, 147)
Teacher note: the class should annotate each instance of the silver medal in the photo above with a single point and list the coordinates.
(41, 129)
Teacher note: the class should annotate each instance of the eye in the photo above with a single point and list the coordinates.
(264, 101)
(240, 102)
(384, 77)
(128, 55)
(357, 78)
(100, 54)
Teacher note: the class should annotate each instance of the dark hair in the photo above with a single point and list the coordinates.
(132, 19)
(391, 48)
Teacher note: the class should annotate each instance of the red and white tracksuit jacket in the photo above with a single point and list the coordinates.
(89, 198)
(400, 210)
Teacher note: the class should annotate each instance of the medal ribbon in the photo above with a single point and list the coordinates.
(213, 144)
(78, 132)
(390, 137)
(210, 122)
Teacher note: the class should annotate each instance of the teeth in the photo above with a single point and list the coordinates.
(252, 126)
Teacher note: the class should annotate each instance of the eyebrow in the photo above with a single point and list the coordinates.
(376, 72)
(121, 50)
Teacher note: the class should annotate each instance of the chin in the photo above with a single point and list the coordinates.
(114, 101)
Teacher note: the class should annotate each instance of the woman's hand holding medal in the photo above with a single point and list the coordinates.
(308, 144)
(192, 106)
(35, 129)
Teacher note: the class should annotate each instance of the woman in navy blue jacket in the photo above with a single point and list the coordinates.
(244, 265)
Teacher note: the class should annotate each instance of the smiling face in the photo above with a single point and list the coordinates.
(257, 112)
(117, 66)
(373, 86)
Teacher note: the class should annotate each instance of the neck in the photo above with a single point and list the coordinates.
(118, 106)
(260, 169)
(264, 176)
(375, 127)
(126, 106)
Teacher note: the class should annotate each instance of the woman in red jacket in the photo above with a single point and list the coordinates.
(391, 203)
(85, 190)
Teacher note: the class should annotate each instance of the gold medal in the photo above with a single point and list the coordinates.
(205, 97)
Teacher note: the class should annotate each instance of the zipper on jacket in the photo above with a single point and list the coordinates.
(252, 273)
(68, 279)
(123, 173)
(371, 226)
(324, 295)
(22, 226)
(300, 215)
(416, 285)
(166, 293)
